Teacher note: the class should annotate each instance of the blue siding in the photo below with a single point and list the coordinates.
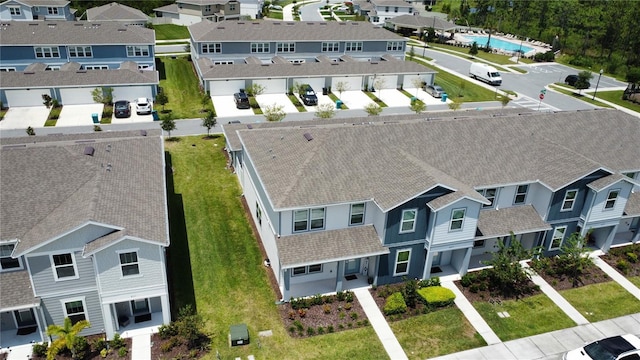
(558, 197)
(387, 263)
(572, 227)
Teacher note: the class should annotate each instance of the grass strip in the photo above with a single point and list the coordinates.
(171, 32)
(602, 301)
(583, 97)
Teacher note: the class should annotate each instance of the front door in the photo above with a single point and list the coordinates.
(140, 306)
(24, 318)
(352, 266)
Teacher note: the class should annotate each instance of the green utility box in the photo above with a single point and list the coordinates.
(239, 335)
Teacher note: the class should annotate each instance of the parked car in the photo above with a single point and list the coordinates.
(624, 347)
(571, 80)
(308, 96)
(242, 100)
(434, 90)
(143, 106)
(122, 109)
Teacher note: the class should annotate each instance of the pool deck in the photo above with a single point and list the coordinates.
(536, 46)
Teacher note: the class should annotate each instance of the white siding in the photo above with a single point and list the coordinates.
(132, 92)
(225, 87)
(273, 86)
(316, 83)
(598, 212)
(387, 82)
(77, 96)
(354, 83)
(540, 197)
(17, 98)
(375, 215)
(407, 82)
(441, 233)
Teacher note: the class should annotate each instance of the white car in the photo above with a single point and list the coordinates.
(622, 347)
(143, 106)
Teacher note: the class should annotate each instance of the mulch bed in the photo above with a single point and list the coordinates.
(95, 354)
(490, 296)
(591, 275)
(619, 259)
(379, 293)
(180, 351)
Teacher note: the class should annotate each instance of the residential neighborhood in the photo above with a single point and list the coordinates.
(226, 178)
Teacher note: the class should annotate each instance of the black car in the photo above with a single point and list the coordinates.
(571, 80)
(242, 100)
(308, 96)
(122, 109)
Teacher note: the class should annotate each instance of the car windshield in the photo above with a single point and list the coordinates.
(142, 102)
(437, 88)
(495, 74)
(121, 106)
(608, 349)
(310, 92)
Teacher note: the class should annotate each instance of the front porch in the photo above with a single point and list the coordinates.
(132, 316)
(12, 338)
(327, 286)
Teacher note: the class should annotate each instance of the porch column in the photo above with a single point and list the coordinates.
(36, 314)
(114, 314)
(607, 243)
(375, 276)
(108, 320)
(166, 309)
(465, 263)
(43, 329)
(287, 285)
(339, 275)
(427, 265)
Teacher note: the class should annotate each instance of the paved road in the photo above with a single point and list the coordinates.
(310, 12)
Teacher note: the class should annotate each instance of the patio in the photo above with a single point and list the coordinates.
(10, 338)
(141, 327)
(326, 286)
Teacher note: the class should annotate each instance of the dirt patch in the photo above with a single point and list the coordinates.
(625, 259)
(590, 275)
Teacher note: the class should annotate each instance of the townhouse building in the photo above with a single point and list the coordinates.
(124, 15)
(83, 234)
(339, 203)
(30, 10)
(188, 12)
(379, 11)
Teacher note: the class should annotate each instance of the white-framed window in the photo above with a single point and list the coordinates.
(330, 46)
(558, 237)
(259, 48)
(7, 69)
(129, 263)
(75, 309)
(52, 68)
(630, 174)
(457, 219)
(212, 48)
(137, 50)
(52, 10)
(305, 220)
(223, 62)
(258, 213)
(408, 220)
(490, 194)
(306, 270)
(95, 67)
(395, 46)
(521, 194)
(80, 51)
(14, 10)
(611, 199)
(46, 51)
(140, 306)
(232, 7)
(353, 46)
(6, 261)
(144, 66)
(410, 10)
(297, 61)
(286, 47)
(207, 8)
(357, 214)
(386, 9)
(64, 266)
(403, 258)
(569, 200)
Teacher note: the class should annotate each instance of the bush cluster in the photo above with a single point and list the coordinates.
(437, 296)
(395, 304)
(187, 330)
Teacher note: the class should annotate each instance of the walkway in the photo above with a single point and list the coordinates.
(379, 324)
(141, 347)
(617, 277)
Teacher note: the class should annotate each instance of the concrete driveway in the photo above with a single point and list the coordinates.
(426, 98)
(322, 99)
(134, 118)
(354, 99)
(23, 117)
(265, 100)
(393, 98)
(226, 107)
(74, 115)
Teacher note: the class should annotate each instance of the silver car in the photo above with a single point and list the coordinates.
(434, 90)
(143, 106)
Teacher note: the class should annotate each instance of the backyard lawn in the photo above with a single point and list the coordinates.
(178, 80)
(171, 32)
(602, 301)
(215, 262)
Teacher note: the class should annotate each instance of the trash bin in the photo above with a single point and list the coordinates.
(95, 118)
(338, 104)
(154, 113)
(325, 91)
(413, 99)
(444, 97)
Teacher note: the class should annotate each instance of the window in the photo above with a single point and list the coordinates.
(74, 310)
(129, 263)
(14, 11)
(259, 48)
(80, 51)
(490, 194)
(297, 61)
(457, 219)
(353, 46)
(357, 214)
(137, 51)
(630, 174)
(6, 261)
(410, 10)
(304, 220)
(232, 7)
(386, 9)
(64, 266)
(52, 10)
(403, 257)
(47, 52)
(611, 199)
(212, 48)
(140, 306)
(52, 68)
(207, 8)
(395, 9)
(286, 47)
(304, 270)
(333, 46)
(258, 213)
(408, 220)
(521, 194)
(569, 200)
(558, 237)
(478, 244)
(7, 69)
(95, 67)
(223, 62)
(395, 46)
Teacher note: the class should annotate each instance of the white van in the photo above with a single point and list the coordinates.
(486, 73)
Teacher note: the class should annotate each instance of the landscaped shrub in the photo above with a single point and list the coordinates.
(348, 296)
(409, 293)
(122, 352)
(434, 281)
(623, 266)
(340, 295)
(40, 350)
(80, 347)
(347, 306)
(326, 308)
(317, 300)
(117, 341)
(169, 344)
(437, 296)
(632, 257)
(395, 304)
(330, 329)
(468, 279)
(166, 331)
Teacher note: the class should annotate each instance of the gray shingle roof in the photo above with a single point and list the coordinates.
(607, 181)
(203, 2)
(633, 205)
(343, 163)
(43, 2)
(49, 187)
(422, 21)
(75, 77)
(238, 31)
(16, 291)
(115, 11)
(518, 219)
(73, 33)
(332, 245)
(171, 8)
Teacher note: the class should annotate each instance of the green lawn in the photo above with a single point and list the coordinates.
(215, 262)
(441, 332)
(171, 32)
(616, 98)
(602, 301)
(635, 280)
(565, 89)
(179, 82)
(534, 315)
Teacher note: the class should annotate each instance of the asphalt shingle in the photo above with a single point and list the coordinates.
(16, 291)
(114, 11)
(518, 219)
(52, 33)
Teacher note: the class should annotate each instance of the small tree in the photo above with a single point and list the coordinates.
(411, 53)
(47, 100)
(168, 125)
(573, 260)
(379, 83)
(473, 51)
(162, 99)
(66, 337)
(418, 106)
(274, 112)
(30, 131)
(583, 81)
(209, 121)
(373, 109)
(102, 95)
(454, 104)
(417, 83)
(325, 111)
(504, 100)
(341, 87)
(255, 89)
(507, 275)
(204, 101)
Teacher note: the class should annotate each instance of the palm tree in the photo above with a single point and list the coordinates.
(66, 336)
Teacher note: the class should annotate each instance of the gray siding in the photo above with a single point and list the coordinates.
(598, 212)
(392, 233)
(76, 239)
(53, 308)
(45, 283)
(7, 321)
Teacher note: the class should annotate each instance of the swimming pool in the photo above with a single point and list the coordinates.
(498, 43)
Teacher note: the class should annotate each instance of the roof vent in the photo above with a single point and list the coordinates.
(220, 28)
(308, 136)
(89, 150)
(108, 166)
(28, 72)
(108, 147)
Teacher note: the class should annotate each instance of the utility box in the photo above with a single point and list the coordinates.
(239, 335)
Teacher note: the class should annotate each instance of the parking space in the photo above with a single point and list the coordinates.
(425, 97)
(265, 100)
(393, 98)
(23, 117)
(74, 115)
(226, 107)
(322, 99)
(134, 118)
(354, 99)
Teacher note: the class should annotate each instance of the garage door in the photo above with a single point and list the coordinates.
(384, 82)
(407, 83)
(76, 96)
(33, 97)
(354, 83)
(225, 87)
(316, 83)
(273, 86)
(131, 92)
